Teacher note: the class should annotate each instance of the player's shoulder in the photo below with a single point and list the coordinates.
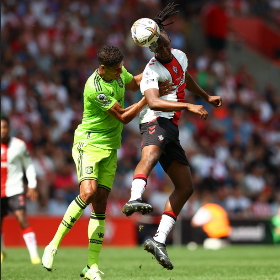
(94, 83)
(17, 143)
(178, 54)
(153, 65)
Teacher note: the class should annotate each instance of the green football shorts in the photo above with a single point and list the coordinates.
(94, 163)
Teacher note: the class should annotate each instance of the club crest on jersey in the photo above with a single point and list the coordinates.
(175, 70)
(120, 82)
(160, 138)
(101, 97)
(89, 169)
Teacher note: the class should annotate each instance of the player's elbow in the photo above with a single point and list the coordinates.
(154, 105)
(125, 119)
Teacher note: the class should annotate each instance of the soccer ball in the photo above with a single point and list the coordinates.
(144, 32)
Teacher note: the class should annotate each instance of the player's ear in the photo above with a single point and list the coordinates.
(169, 39)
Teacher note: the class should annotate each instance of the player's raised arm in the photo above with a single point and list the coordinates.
(193, 87)
(158, 104)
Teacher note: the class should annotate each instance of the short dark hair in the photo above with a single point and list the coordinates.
(6, 120)
(109, 56)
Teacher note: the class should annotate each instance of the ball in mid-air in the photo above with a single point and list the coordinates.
(144, 32)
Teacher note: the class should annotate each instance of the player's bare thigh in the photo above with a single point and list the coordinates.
(150, 157)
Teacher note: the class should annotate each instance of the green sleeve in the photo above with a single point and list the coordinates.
(102, 100)
(127, 76)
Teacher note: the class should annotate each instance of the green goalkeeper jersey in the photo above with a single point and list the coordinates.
(97, 127)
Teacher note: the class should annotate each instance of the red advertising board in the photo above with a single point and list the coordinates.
(118, 231)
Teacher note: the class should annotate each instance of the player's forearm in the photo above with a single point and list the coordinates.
(193, 87)
(132, 111)
(31, 176)
(159, 104)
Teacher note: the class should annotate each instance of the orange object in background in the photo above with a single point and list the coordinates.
(219, 225)
(118, 232)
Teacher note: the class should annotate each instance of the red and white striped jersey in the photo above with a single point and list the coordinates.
(155, 72)
(14, 156)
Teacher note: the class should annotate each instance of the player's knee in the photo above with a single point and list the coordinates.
(187, 192)
(87, 195)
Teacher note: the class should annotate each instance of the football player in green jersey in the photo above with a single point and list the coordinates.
(95, 146)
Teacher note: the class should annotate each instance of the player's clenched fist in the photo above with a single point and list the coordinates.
(215, 101)
(198, 109)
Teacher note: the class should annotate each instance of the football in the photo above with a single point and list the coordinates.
(144, 32)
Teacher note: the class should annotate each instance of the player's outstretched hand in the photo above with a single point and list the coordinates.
(215, 101)
(166, 87)
(198, 109)
(32, 194)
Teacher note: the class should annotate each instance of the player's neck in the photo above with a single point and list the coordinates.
(165, 60)
(102, 75)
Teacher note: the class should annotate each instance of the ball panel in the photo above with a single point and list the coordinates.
(144, 32)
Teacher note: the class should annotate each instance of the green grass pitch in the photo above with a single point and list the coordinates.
(234, 262)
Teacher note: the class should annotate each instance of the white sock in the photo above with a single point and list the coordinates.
(165, 226)
(30, 241)
(3, 248)
(138, 186)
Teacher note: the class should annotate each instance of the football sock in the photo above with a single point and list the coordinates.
(96, 230)
(166, 224)
(72, 214)
(30, 241)
(138, 186)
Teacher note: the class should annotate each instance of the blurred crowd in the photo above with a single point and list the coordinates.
(49, 50)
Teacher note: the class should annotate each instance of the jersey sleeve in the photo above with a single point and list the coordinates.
(149, 79)
(29, 168)
(127, 76)
(102, 100)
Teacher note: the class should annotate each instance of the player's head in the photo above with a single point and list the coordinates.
(5, 128)
(110, 61)
(162, 47)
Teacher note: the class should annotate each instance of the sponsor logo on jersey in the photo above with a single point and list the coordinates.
(89, 169)
(148, 73)
(160, 138)
(107, 103)
(101, 97)
(120, 82)
(150, 81)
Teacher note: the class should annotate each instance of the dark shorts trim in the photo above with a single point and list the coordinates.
(104, 187)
